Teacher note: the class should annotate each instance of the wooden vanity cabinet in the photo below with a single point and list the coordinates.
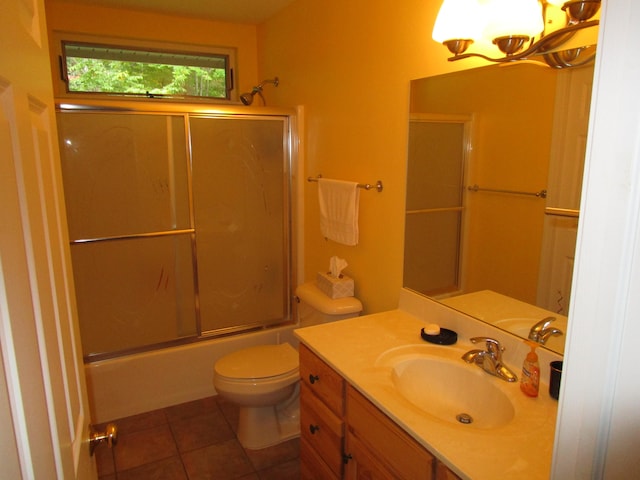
(377, 448)
(321, 418)
(344, 435)
(443, 472)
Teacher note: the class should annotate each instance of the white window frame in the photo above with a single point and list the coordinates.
(58, 67)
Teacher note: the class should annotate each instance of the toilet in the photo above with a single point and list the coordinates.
(263, 380)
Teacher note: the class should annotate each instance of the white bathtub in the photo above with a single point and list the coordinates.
(147, 381)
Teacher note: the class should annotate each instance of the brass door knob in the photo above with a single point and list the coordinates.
(110, 436)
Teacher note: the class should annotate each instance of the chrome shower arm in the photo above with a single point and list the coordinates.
(247, 98)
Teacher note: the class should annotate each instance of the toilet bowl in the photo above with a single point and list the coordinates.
(264, 380)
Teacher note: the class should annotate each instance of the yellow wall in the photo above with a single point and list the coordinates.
(349, 63)
(113, 22)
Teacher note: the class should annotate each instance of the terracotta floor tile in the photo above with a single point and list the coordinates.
(104, 460)
(201, 431)
(251, 476)
(221, 461)
(194, 441)
(144, 446)
(230, 411)
(285, 471)
(270, 456)
(196, 408)
(141, 421)
(168, 469)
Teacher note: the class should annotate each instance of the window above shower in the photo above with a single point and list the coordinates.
(109, 68)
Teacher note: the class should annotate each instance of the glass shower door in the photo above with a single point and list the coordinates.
(240, 200)
(434, 216)
(179, 225)
(126, 184)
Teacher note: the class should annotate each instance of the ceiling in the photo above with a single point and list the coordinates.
(236, 11)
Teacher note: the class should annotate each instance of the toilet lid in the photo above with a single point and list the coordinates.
(261, 361)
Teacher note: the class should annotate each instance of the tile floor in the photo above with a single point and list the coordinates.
(192, 441)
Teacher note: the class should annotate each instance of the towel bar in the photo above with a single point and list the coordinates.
(476, 188)
(367, 186)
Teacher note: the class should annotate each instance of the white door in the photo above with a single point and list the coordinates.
(43, 402)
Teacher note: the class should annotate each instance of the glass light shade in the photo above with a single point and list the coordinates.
(507, 18)
(458, 19)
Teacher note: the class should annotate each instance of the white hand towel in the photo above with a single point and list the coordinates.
(339, 210)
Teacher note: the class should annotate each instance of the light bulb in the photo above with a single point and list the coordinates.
(458, 19)
(506, 18)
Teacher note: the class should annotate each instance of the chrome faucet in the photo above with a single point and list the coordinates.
(490, 360)
(542, 330)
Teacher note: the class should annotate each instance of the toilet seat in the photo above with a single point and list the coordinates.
(262, 362)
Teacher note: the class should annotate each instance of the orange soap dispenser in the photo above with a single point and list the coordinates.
(530, 378)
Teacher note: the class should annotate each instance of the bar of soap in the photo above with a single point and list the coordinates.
(432, 329)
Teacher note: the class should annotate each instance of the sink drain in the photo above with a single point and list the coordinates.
(464, 418)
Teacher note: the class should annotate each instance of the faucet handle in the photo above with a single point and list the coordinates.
(493, 345)
(539, 327)
(545, 322)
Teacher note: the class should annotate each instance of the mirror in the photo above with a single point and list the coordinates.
(494, 177)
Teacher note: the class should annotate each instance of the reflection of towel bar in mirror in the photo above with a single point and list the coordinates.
(434, 210)
(540, 194)
(367, 186)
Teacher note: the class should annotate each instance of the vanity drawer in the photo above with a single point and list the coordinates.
(376, 437)
(312, 467)
(321, 429)
(322, 380)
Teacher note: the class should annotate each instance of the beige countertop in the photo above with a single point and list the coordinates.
(521, 449)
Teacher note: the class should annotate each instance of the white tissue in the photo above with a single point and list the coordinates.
(336, 265)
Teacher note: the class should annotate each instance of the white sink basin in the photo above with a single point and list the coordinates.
(449, 389)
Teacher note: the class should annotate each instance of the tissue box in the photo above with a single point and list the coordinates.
(335, 287)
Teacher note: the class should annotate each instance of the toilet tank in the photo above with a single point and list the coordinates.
(314, 307)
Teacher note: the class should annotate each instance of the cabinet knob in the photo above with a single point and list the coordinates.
(313, 429)
(313, 378)
(346, 457)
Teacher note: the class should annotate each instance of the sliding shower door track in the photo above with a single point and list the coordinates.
(208, 336)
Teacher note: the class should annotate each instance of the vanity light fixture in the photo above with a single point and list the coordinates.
(520, 29)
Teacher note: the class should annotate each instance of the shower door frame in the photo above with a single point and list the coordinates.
(465, 163)
(290, 186)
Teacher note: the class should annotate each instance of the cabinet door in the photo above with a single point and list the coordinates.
(378, 447)
(362, 463)
(321, 429)
(443, 473)
(312, 467)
